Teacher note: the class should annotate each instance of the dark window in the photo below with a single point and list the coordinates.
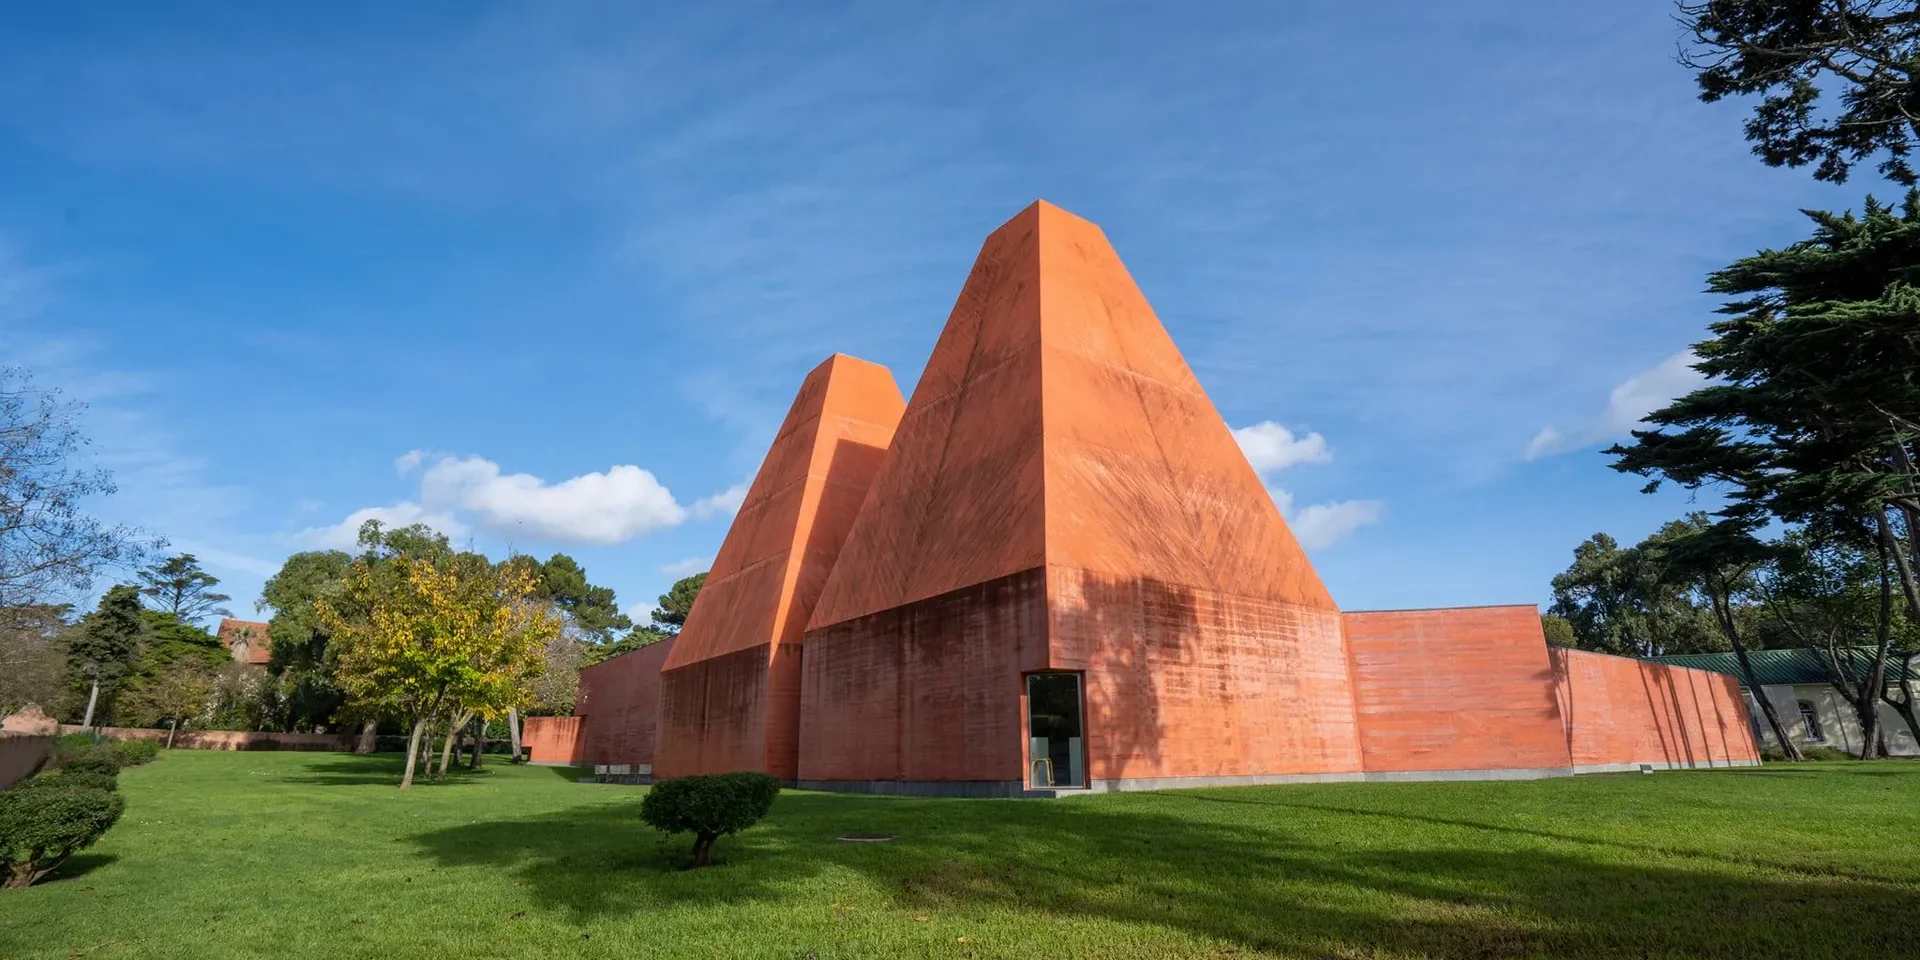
(1810, 720)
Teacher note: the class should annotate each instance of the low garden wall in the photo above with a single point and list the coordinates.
(20, 755)
(228, 739)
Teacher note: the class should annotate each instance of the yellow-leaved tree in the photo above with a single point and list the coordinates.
(440, 638)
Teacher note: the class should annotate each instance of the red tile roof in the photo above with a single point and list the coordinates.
(259, 646)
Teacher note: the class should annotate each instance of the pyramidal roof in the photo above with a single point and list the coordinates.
(788, 531)
(1057, 424)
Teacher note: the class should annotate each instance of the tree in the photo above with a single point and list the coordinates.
(640, 636)
(165, 642)
(175, 698)
(677, 602)
(709, 807)
(1791, 52)
(178, 586)
(1614, 600)
(32, 657)
(1812, 410)
(304, 692)
(48, 547)
(102, 652)
(593, 609)
(443, 638)
(1558, 631)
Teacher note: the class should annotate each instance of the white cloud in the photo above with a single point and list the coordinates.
(1325, 524)
(1270, 446)
(640, 613)
(1627, 405)
(409, 462)
(725, 503)
(343, 535)
(687, 567)
(596, 508)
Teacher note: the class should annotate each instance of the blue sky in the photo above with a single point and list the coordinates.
(548, 274)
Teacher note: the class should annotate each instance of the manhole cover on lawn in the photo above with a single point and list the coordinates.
(866, 837)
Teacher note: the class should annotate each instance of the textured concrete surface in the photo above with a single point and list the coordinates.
(554, 740)
(1061, 495)
(618, 705)
(1455, 689)
(1624, 711)
(730, 692)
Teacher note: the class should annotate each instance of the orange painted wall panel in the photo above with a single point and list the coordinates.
(1622, 711)
(1183, 681)
(617, 705)
(1455, 689)
(925, 692)
(552, 739)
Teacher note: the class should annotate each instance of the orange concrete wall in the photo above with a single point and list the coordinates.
(552, 739)
(1455, 689)
(930, 691)
(731, 690)
(619, 706)
(1623, 712)
(1183, 681)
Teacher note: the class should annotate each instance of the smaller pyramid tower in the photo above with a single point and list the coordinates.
(730, 689)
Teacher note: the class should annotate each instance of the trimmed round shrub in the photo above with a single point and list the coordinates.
(132, 753)
(41, 827)
(95, 759)
(709, 807)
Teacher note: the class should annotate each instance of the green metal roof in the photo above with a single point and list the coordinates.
(1802, 665)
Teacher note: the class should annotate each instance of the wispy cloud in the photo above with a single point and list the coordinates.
(1627, 405)
(343, 535)
(687, 567)
(1271, 448)
(726, 503)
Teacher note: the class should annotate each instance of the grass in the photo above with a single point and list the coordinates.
(316, 855)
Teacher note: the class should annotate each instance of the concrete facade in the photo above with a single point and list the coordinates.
(1832, 722)
(1061, 575)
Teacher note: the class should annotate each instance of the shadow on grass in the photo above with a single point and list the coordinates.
(1267, 884)
(353, 770)
(79, 865)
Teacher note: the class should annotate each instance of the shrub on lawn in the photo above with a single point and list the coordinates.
(132, 753)
(65, 779)
(70, 742)
(98, 758)
(41, 826)
(709, 807)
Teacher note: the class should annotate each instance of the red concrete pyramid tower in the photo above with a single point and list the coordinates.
(729, 694)
(1061, 495)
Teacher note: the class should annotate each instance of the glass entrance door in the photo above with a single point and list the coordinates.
(1055, 753)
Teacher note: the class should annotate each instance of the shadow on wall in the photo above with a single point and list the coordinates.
(1304, 881)
(1134, 636)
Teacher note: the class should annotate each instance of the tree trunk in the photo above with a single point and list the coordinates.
(413, 752)
(513, 732)
(367, 731)
(479, 742)
(446, 746)
(1722, 610)
(92, 699)
(1904, 704)
(703, 848)
(172, 725)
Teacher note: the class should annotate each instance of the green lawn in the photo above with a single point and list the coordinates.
(317, 855)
